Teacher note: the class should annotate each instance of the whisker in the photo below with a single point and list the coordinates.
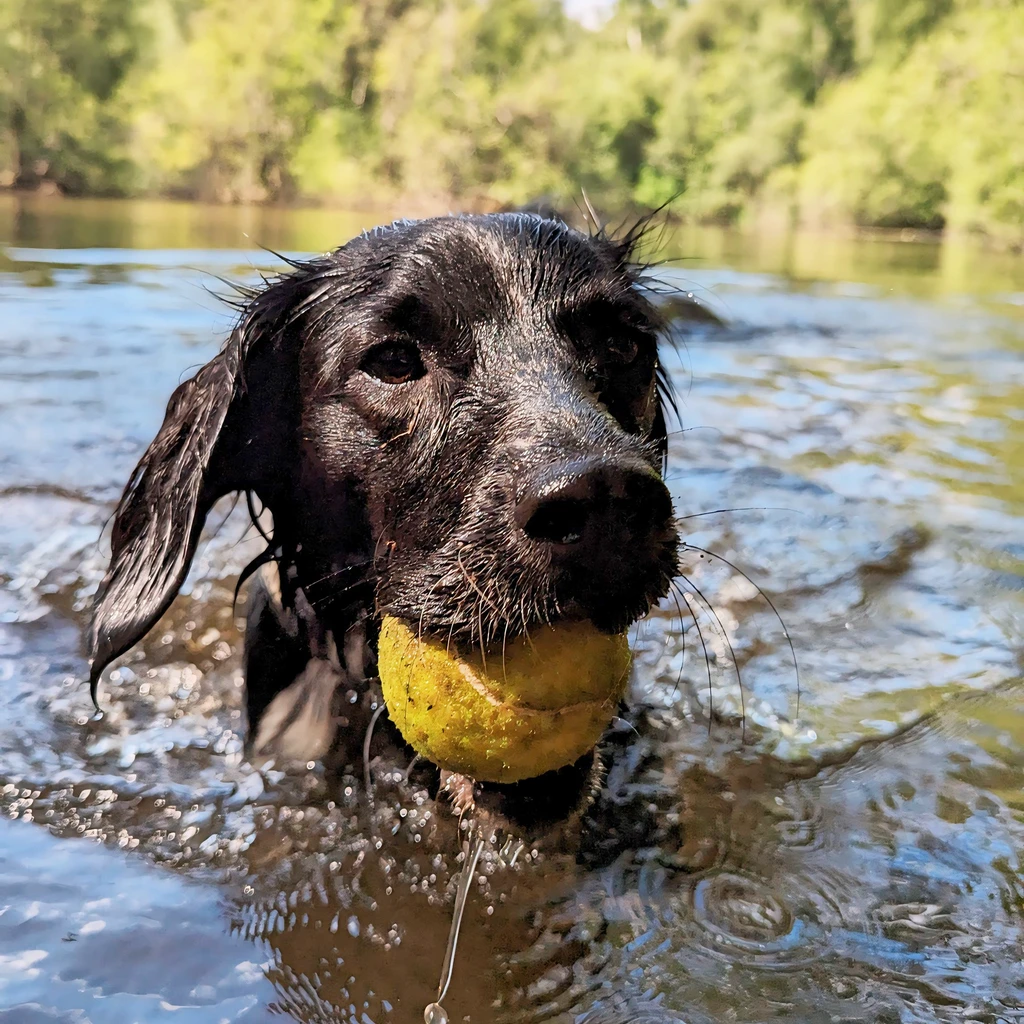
(405, 433)
(679, 608)
(338, 592)
(367, 779)
(707, 663)
(423, 611)
(686, 430)
(319, 600)
(593, 217)
(480, 631)
(484, 599)
(376, 546)
(472, 582)
(628, 723)
(732, 652)
(504, 645)
(742, 508)
(334, 574)
(771, 604)
(227, 515)
(451, 627)
(335, 591)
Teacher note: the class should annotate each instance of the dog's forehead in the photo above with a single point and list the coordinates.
(509, 262)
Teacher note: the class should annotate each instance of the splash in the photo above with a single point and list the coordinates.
(435, 1012)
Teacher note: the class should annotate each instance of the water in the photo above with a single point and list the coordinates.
(857, 861)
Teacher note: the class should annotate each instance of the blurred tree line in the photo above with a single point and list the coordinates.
(893, 113)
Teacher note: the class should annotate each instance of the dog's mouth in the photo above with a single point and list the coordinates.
(478, 605)
(481, 602)
(513, 735)
(488, 602)
(463, 639)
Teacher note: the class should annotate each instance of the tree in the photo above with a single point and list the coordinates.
(61, 63)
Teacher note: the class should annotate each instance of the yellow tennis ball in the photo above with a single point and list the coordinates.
(540, 704)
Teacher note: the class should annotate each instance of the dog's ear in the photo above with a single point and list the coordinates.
(162, 510)
(224, 430)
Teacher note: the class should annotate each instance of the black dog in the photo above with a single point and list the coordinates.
(457, 421)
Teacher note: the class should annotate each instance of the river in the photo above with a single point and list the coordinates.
(849, 850)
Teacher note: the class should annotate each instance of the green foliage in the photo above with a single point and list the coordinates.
(224, 113)
(462, 102)
(874, 112)
(935, 138)
(61, 63)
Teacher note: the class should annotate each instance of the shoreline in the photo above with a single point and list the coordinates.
(762, 221)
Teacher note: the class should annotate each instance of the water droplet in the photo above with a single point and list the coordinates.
(434, 1014)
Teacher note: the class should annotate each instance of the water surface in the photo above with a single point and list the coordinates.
(853, 854)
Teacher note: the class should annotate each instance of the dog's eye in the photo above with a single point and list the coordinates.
(623, 349)
(394, 362)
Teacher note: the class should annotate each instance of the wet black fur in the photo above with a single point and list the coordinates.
(539, 348)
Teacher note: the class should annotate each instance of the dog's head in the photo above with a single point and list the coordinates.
(456, 421)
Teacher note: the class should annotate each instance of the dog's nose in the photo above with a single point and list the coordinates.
(592, 500)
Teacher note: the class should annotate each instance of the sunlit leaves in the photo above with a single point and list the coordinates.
(874, 112)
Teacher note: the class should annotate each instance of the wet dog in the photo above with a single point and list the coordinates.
(457, 421)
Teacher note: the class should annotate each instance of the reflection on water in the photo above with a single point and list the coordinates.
(856, 858)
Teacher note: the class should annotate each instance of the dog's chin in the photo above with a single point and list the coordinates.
(547, 808)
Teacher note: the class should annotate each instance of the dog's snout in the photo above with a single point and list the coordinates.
(592, 500)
